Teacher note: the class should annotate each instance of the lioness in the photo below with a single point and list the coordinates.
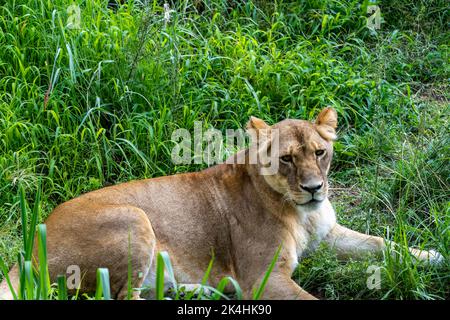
(229, 210)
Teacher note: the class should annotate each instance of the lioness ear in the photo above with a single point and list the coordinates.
(327, 117)
(261, 140)
(256, 124)
(326, 123)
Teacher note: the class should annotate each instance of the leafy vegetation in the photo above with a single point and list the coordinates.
(88, 103)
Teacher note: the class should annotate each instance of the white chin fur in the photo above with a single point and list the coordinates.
(306, 200)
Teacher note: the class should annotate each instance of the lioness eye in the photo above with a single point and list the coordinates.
(286, 158)
(320, 152)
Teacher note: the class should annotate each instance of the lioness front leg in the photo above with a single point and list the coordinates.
(280, 286)
(353, 244)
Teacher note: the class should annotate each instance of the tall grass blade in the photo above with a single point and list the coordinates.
(221, 287)
(33, 224)
(29, 280)
(162, 263)
(24, 217)
(258, 293)
(44, 278)
(103, 287)
(159, 289)
(20, 264)
(130, 270)
(205, 277)
(4, 271)
(62, 287)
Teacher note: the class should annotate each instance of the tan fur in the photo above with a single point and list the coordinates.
(228, 210)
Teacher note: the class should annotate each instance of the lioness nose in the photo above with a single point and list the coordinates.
(312, 187)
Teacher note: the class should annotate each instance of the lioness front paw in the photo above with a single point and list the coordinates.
(431, 257)
(434, 257)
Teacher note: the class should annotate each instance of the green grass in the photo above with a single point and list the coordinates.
(85, 108)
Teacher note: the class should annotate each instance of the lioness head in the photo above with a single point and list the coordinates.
(304, 157)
